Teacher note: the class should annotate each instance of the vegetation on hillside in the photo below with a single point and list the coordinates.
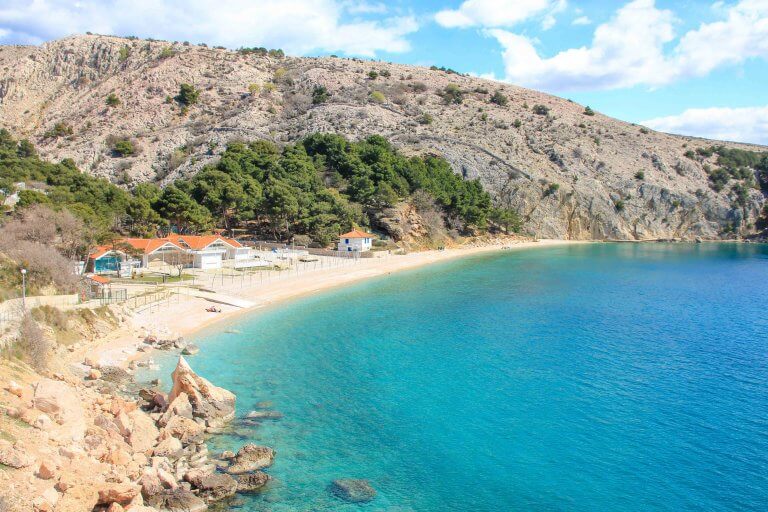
(319, 187)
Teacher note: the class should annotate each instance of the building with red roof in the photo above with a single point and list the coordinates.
(356, 241)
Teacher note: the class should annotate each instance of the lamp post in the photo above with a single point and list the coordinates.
(24, 289)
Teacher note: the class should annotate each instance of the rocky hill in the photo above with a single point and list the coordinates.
(570, 174)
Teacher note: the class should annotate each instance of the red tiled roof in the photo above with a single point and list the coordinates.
(99, 251)
(198, 242)
(356, 233)
(99, 279)
(149, 245)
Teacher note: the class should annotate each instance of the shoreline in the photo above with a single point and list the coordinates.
(188, 317)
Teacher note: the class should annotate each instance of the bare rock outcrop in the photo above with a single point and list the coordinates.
(212, 404)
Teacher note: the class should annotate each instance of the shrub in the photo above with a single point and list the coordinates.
(373, 75)
(418, 87)
(124, 53)
(320, 95)
(269, 87)
(619, 205)
(541, 110)
(640, 175)
(499, 99)
(517, 124)
(188, 95)
(280, 73)
(551, 189)
(34, 345)
(385, 73)
(644, 131)
(426, 118)
(123, 147)
(588, 111)
(452, 94)
(59, 130)
(378, 97)
(254, 89)
(167, 52)
(113, 100)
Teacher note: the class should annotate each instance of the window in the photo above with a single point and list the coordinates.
(349, 249)
(346, 241)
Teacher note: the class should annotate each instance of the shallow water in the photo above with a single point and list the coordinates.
(600, 377)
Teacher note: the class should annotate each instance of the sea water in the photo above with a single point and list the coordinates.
(621, 377)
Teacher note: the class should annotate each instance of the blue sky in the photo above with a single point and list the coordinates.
(697, 67)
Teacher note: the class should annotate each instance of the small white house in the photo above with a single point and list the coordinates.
(355, 241)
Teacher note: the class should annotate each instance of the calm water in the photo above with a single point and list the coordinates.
(606, 377)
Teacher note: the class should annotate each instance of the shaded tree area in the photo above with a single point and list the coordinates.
(318, 187)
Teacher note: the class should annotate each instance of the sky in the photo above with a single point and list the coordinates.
(695, 67)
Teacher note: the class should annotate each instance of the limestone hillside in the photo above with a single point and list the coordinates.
(570, 175)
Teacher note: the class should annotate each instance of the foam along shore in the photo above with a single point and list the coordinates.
(189, 315)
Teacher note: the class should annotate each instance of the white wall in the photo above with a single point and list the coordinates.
(355, 244)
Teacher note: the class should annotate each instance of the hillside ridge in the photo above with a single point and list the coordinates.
(569, 174)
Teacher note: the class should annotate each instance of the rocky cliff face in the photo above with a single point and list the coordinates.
(570, 175)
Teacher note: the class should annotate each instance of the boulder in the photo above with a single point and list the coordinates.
(179, 406)
(78, 498)
(212, 486)
(252, 482)
(122, 493)
(59, 401)
(213, 404)
(250, 458)
(46, 470)
(178, 500)
(144, 433)
(94, 374)
(353, 490)
(184, 429)
(169, 447)
(14, 456)
(150, 483)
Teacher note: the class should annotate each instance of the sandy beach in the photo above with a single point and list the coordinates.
(187, 315)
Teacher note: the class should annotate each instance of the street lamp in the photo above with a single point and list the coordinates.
(24, 289)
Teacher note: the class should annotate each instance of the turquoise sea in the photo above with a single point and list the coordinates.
(606, 377)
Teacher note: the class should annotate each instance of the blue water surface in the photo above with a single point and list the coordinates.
(621, 377)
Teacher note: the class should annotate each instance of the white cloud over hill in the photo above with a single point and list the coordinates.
(746, 124)
(297, 26)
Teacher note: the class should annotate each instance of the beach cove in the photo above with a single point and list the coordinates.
(543, 379)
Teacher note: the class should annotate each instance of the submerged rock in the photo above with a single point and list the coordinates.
(252, 482)
(213, 404)
(264, 415)
(353, 490)
(190, 350)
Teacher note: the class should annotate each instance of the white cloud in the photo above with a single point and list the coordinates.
(494, 13)
(582, 20)
(297, 26)
(632, 49)
(625, 51)
(365, 8)
(747, 124)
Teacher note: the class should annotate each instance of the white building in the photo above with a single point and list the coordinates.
(355, 241)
